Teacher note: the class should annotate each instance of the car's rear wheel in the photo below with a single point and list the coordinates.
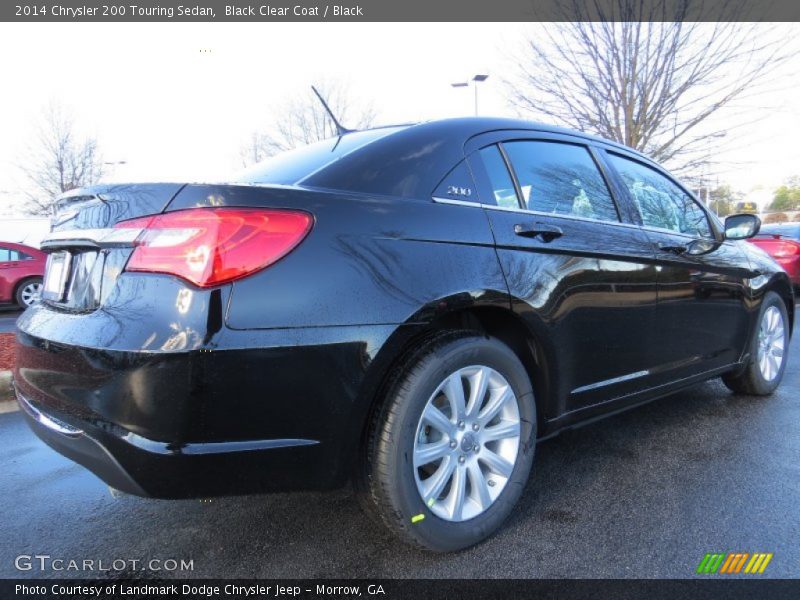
(450, 450)
(768, 351)
(29, 291)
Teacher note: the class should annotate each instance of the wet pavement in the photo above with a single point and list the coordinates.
(643, 494)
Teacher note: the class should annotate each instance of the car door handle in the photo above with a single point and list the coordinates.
(546, 232)
(675, 249)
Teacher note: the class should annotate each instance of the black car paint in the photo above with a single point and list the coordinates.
(105, 205)
(266, 383)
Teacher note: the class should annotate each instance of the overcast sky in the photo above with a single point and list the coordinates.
(172, 112)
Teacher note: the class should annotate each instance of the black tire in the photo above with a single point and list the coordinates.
(18, 294)
(385, 480)
(750, 380)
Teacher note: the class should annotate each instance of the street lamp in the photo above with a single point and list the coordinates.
(113, 164)
(475, 81)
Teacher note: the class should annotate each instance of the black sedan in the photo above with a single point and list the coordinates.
(409, 307)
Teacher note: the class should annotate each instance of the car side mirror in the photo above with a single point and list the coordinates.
(741, 227)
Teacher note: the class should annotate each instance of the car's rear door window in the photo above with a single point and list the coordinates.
(660, 201)
(505, 193)
(560, 178)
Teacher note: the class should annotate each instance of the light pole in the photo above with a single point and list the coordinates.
(114, 164)
(475, 81)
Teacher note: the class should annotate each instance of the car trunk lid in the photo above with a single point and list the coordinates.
(100, 207)
(86, 253)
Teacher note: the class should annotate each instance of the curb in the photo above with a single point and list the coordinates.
(8, 402)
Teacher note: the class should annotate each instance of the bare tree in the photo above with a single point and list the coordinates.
(302, 120)
(59, 160)
(641, 74)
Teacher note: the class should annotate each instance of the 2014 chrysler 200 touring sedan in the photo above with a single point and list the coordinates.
(412, 306)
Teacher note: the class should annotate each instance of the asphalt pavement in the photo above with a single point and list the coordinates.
(643, 494)
(8, 318)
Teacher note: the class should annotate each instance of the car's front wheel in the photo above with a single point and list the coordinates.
(450, 450)
(29, 291)
(768, 351)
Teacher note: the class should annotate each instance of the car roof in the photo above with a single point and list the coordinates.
(467, 127)
(784, 225)
(464, 128)
(411, 160)
(17, 246)
(780, 228)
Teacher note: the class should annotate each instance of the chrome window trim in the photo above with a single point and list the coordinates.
(440, 200)
(536, 213)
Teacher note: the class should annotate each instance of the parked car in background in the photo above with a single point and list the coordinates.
(21, 273)
(412, 306)
(782, 242)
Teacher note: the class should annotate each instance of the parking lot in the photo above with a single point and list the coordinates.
(8, 316)
(642, 494)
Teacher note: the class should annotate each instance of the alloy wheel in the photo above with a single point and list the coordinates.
(771, 343)
(466, 443)
(30, 293)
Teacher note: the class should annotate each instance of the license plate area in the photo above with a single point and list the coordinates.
(56, 276)
(74, 278)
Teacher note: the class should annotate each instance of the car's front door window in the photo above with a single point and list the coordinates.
(660, 201)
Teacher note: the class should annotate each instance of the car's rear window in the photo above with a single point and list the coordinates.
(290, 167)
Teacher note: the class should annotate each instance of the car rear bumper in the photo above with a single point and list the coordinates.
(137, 465)
(79, 446)
(269, 410)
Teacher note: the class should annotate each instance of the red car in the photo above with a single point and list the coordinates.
(782, 242)
(21, 272)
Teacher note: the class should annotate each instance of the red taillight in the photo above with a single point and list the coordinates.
(211, 246)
